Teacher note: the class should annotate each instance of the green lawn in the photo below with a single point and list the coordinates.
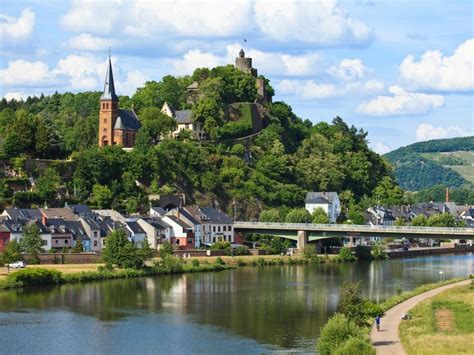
(443, 324)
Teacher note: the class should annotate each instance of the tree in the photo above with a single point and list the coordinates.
(419, 221)
(78, 247)
(12, 252)
(102, 196)
(351, 304)
(345, 255)
(320, 216)
(47, 184)
(400, 222)
(166, 249)
(271, 215)
(442, 220)
(121, 252)
(298, 215)
(378, 252)
(336, 332)
(388, 192)
(31, 243)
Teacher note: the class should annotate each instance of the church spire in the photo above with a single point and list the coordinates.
(109, 87)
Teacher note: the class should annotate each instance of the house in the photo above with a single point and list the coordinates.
(220, 227)
(328, 201)
(78, 233)
(380, 216)
(17, 228)
(157, 231)
(157, 211)
(116, 126)
(193, 217)
(80, 210)
(112, 214)
(4, 237)
(23, 214)
(135, 232)
(182, 234)
(184, 121)
(61, 236)
(55, 213)
(92, 229)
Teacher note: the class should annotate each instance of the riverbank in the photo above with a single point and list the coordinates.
(387, 340)
(442, 324)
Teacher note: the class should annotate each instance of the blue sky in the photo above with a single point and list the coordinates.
(402, 70)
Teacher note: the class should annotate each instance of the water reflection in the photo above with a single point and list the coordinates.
(272, 307)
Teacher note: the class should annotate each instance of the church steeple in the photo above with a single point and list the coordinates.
(109, 87)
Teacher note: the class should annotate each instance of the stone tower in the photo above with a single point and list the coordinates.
(245, 64)
(108, 109)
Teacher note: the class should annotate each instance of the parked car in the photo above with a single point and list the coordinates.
(17, 265)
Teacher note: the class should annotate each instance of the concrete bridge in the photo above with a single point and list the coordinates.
(306, 232)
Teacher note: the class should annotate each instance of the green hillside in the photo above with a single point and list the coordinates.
(448, 162)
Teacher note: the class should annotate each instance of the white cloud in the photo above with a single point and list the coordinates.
(307, 89)
(349, 70)
(320, 22)
(401, 103)
(134, 80)
(437, 72)
(87, 42)
(426, 131)
(381, 148)
(17, 29)
(145, 18)
(194, 59)
(25, 73)
(81, 70)
(16, 96)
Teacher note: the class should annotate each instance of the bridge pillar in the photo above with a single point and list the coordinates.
(302, 239)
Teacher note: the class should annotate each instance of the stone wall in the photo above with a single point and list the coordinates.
(59, 258)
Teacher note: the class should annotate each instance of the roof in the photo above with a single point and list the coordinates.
(158, 210)
(80, 209)
(24, 213)
(184, 116)
(179, 222)
(76, 228)
(127, 120)
(135, 227)
(93, 224)
(216, 217)
(116, 216)
(320, 197)
(157, 223)
(198, 214)
(109, 86)
(64, 213)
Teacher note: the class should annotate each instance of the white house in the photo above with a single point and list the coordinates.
(328, 201)
(157, 231)
(16, 229)
(219, 226)
(184, 121)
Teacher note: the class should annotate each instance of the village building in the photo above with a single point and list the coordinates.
(182, 235)
(4, 236)
(116, 126)
(328, 201)
(157, 231)
(184, 121)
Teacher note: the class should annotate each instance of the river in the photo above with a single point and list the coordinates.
(245, 310)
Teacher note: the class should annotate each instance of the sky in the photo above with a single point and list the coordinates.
(401, 70)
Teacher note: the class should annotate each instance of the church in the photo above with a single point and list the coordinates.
(116, 126)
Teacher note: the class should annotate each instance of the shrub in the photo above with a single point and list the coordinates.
(354, 307)
(260, 261)
(219, 261)
(166, 249)
(34, 277)
(309, 251)
(335, 333)
(242, 250)
(345, 255)
(195, 263)
(241, 262)
(52, 251)
(121, 252)
(171, 264)
(378, 252)
(355, 346)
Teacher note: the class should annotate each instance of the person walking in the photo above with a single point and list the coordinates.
(377, 323)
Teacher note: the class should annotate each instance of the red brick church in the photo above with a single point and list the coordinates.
(116, 126)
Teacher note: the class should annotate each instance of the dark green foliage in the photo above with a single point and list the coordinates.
(78, 247)
(378, 252)
(33, 277)
(120, 252)
(335, 333)
(320, 216)
(241, 250)
(47, 184)
(437, 193)
(220, 261)
(354, 307)
(195, 263)
(298, 215)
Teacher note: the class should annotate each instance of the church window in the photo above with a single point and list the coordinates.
(105, 120)
(107, 105)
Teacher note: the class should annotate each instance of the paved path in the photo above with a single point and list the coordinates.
(387, 341)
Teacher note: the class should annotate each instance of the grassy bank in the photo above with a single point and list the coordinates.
(442, 324)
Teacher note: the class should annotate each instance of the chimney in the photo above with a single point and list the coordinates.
(447, 194)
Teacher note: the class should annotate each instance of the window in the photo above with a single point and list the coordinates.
(219, 228)
(224, 228)
(66, 241)
(56, 241)
(44, 242)
(5, 241)
(105, 120)
(95, 243)
(213, 228)
(95, 234)
(107, 105)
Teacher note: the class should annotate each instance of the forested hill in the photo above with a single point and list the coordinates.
(274, 168)
(422, 165)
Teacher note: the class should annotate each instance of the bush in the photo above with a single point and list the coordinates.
(260, 261)
(52, 251)
(195, 263)
(241, 262)
(335, 333)
(242, 250)
(170, 264)
(355, 346)
(345, 255)
(34, 277)
(219, 261)
(378, 252)
(166, 249)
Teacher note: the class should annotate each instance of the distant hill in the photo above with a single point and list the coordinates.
(448, 162)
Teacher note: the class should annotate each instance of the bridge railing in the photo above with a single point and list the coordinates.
(353, 227)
